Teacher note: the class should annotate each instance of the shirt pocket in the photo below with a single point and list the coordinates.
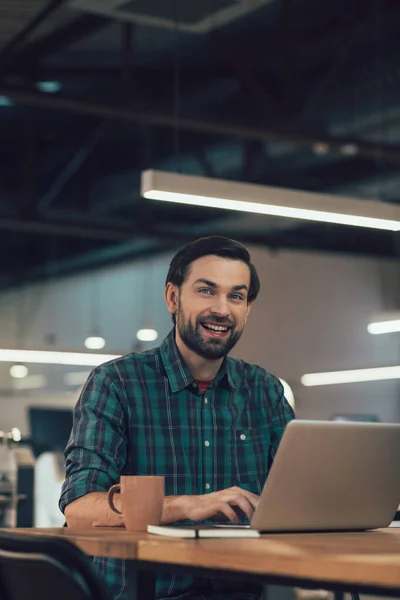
(250, 452)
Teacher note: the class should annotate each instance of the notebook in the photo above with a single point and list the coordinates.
(204, 531)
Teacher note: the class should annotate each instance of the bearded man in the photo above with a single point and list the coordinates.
(209, 423)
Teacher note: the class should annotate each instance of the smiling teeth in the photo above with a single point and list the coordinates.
(216, 327)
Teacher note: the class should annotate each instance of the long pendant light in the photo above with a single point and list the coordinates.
(351, 376)
(280, 202)
(385, 323)
(54, 357)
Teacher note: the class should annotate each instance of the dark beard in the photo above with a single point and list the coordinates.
(212, 349)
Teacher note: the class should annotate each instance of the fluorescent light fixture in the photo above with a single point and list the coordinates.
(384, 327)
(53, 357)
(266, 200)
(387, 322)
(49, 87)
(18, 371)
(95, 342)
(355, 376)
(5, 101)
(76, 378)
(32, 382)
(320, 148)
(349, 149)
(147, 335)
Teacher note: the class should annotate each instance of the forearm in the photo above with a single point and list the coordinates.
(175, 509)
(93, 510)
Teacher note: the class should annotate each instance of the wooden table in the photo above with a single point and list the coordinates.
(367, 562)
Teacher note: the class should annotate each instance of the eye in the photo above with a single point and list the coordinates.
(205, 291)
(237, 297)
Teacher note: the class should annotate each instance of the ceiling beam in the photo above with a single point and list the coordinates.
(303, 238)
(386, 152)
(18, 40)
(46, 227)
(288, 42)
(29, 149)
(128, 51)
(146, 74)
(244, 75)
(71, 169)
(355, 37)
(60, 39)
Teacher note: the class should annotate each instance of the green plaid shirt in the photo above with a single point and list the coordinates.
(144, 414)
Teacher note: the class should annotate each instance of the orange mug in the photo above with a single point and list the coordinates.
(142, 500)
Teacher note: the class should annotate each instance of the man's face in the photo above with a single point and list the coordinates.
(212, 306)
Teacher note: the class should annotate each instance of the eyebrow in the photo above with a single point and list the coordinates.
(213, 285)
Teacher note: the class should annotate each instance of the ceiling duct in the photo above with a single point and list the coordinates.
(191, 17)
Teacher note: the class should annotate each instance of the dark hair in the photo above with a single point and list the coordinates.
(218, 246)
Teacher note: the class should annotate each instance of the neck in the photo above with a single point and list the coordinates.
(203, 369)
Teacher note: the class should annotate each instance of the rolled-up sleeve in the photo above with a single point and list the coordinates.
(96, 451)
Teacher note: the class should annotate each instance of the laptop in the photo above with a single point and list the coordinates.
(326, 476)
(332, 476)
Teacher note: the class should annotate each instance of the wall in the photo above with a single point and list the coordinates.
(14, 409)
(128, 295)
(311, 316)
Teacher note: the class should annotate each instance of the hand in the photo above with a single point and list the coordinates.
(224, 502)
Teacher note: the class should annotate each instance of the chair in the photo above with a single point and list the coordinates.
(46, 567)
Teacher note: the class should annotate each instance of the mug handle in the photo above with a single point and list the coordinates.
(110, 497)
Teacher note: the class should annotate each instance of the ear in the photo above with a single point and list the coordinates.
(171, 296)
(249, 305)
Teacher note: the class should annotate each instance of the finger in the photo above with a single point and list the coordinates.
(252, 498)
(245, 506)
(228, 511)
(238, 499)
(220, 517)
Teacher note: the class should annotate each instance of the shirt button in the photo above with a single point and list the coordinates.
(205, 400)
(207, 443)
(208, 486)
(242, 437)
(194, 384)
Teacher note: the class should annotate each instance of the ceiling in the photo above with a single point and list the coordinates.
(285, 95)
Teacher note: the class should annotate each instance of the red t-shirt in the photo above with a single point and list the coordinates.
(203, 385)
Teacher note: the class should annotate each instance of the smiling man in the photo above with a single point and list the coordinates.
(209, 301)
(210, 423)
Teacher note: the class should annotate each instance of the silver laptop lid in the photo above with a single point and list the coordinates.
(332, 476)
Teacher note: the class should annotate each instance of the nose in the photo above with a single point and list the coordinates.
(220, 306)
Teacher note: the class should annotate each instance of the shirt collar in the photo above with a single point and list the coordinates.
(178, 373)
